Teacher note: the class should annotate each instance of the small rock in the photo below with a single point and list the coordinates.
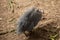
(0, 19)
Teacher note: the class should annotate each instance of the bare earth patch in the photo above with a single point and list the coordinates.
(47, 29)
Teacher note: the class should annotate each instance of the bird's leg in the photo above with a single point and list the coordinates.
(26, 33)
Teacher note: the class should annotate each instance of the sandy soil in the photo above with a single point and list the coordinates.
(11, 10)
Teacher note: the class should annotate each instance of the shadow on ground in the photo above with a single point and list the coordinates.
(47, 32)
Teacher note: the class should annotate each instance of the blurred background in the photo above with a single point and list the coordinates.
(47, 29)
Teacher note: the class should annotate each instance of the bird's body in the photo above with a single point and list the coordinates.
(29, 20)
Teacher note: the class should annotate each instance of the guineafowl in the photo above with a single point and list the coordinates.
(28, 20)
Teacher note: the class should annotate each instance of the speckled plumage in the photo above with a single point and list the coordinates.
(28, 20)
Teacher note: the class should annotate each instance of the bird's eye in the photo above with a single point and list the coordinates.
(37, 10)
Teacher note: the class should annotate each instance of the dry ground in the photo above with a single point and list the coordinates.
(11, 10)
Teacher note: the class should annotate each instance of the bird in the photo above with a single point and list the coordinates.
(28, 20)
